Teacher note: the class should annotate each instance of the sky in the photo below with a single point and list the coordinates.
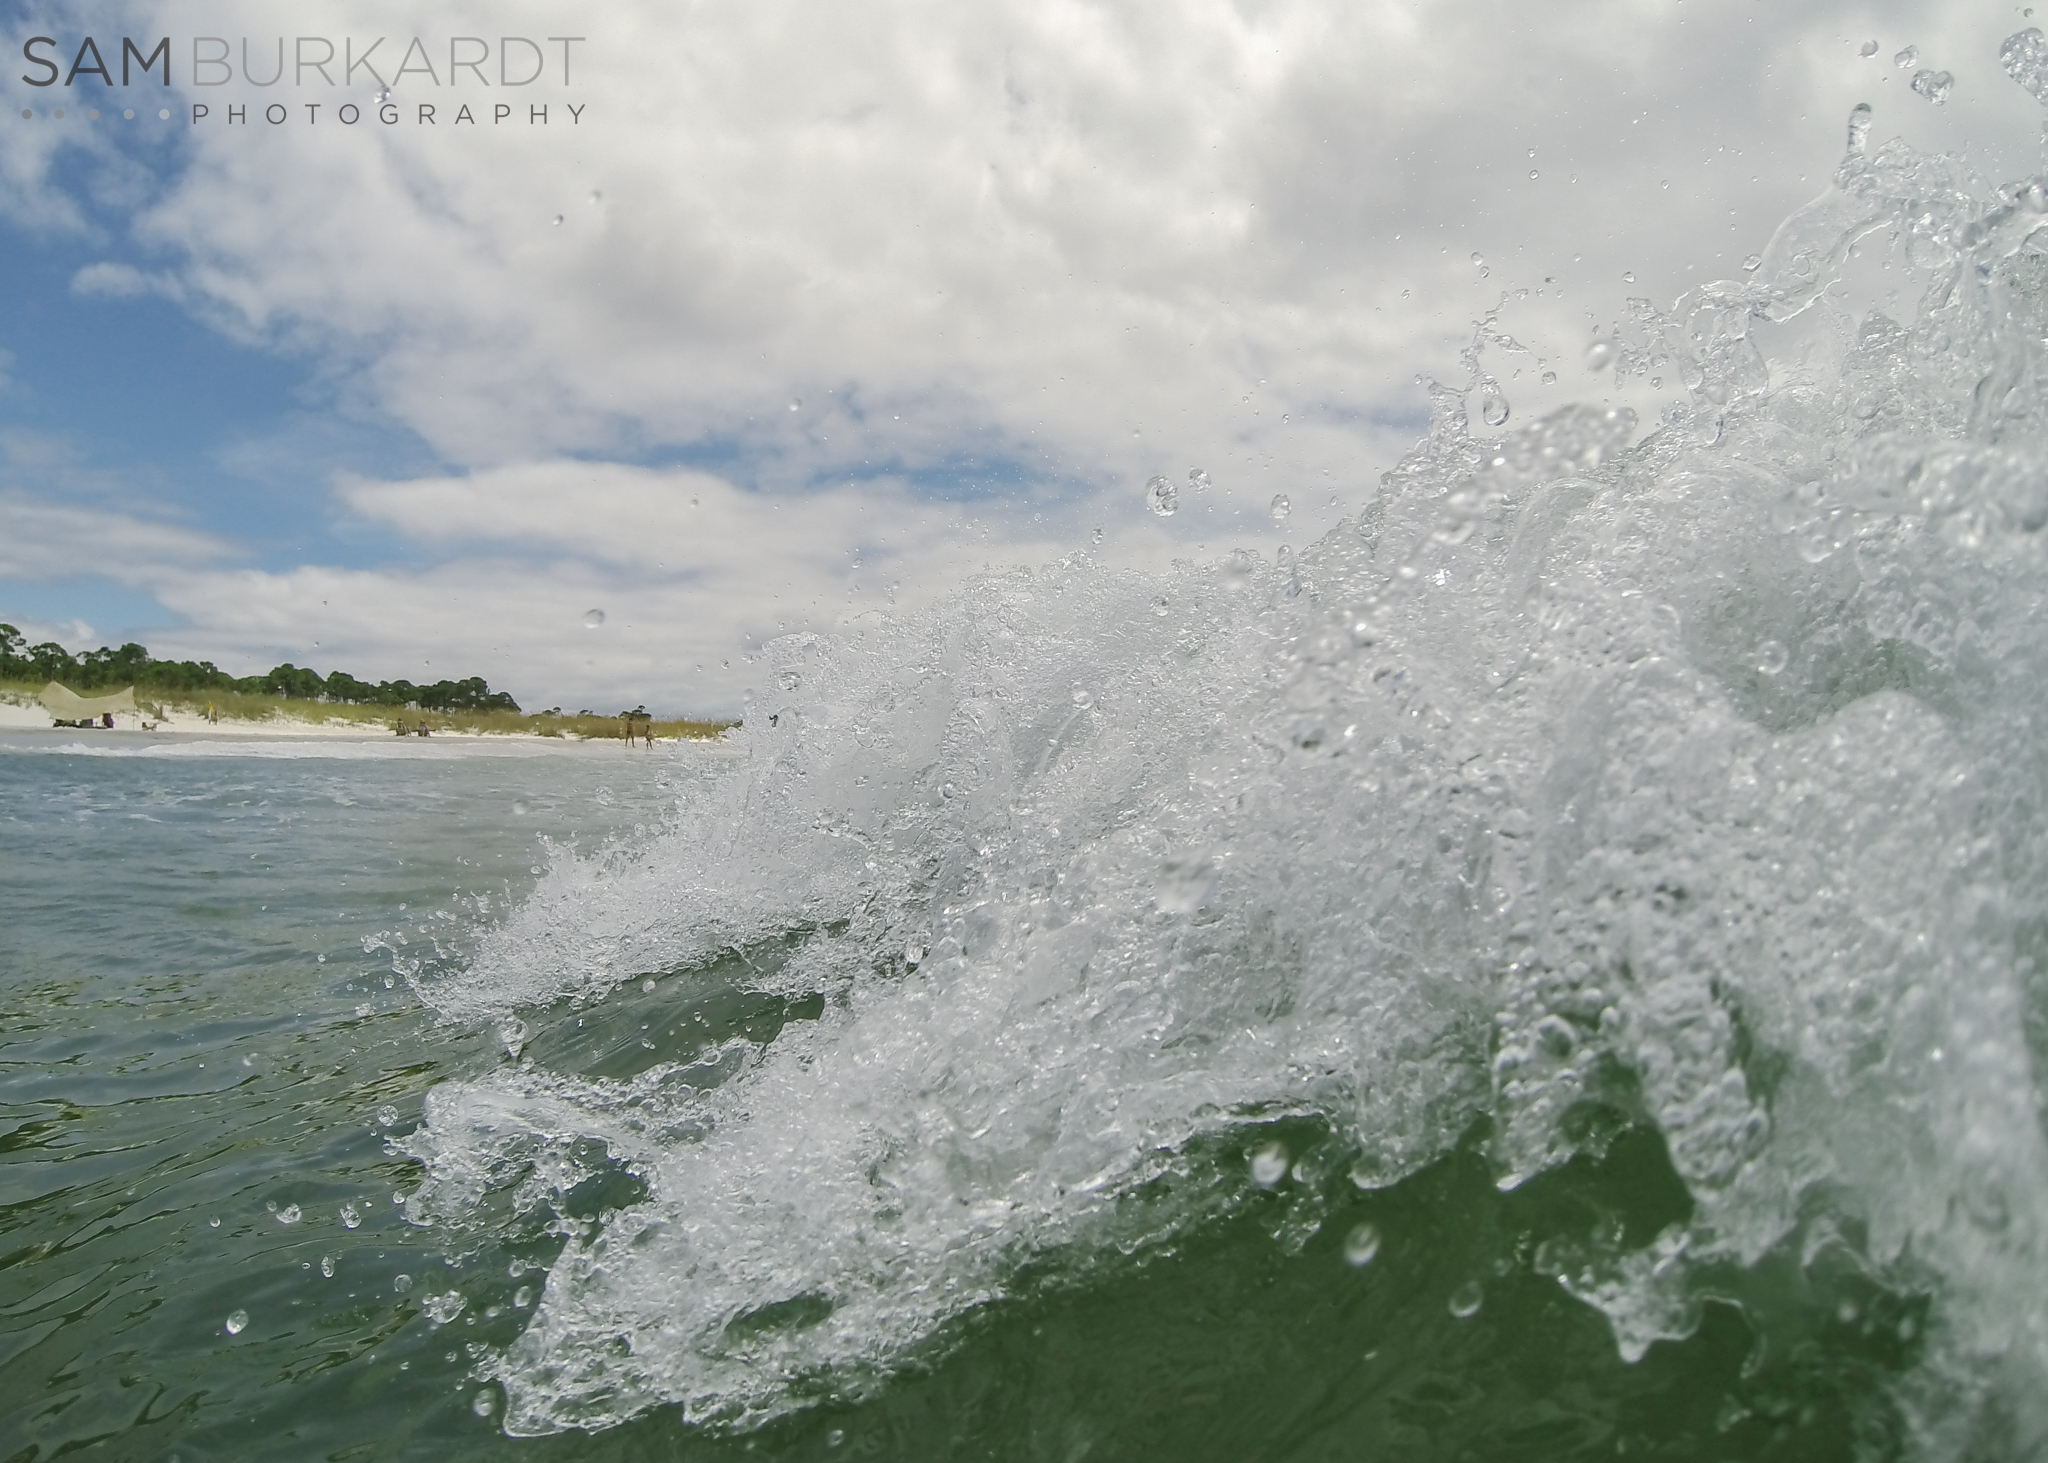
(783, 315)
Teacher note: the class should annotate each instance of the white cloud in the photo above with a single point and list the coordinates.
(46, 541)
(1052, 246)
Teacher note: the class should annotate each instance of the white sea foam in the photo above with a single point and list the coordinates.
(1714, 761)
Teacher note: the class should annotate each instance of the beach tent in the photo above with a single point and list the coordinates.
(68, 705)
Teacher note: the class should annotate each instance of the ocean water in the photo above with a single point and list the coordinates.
(1553, 969)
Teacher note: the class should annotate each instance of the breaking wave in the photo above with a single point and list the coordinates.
(1687, 780)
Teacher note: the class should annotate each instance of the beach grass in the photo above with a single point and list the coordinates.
(187, 711)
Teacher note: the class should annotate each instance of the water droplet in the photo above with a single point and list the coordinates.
(1752, 263)
(1361, 1245)
(1868, 48)
(236, 1323)
(1269, 1165)
(1934, 85)
(1280, 507)
(592, 619)
(1532, 175)
(484, 1403)
(387, 1115)
(327, 1266)
(1599, 355)
(1083, 697)
(1095, 537)
(1162, 607)
(1549, 378)
(401, 1283)
(1493, 407)
(1198, 480)
(595, 196)
(1771, 658)
(1859, 139)
(1467, 1299)
(558, 220)
(1478, 258)
(1162, 497)
(1907, 59)
(796, 403)
(647, 985)
(213, 1223)
(1628, 276)
(835, 1437)
(288, 1215)
(350, 1216)
(522, 1297)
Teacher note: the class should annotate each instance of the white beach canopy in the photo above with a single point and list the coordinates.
(68, 705)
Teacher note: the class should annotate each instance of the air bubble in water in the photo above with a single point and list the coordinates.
(1599, 355)
(1772, 657)
(1467, 1299)
(1549, 378)
(1867, 49)
(1934, 85)
(288, 1215)
(236, 1323)
(796, 403)
(1162, 497)
(592, 619)
(1907, 59)
(1280, 507)
(387, 1115)
(401, 1283)
(327, 1266)
(1269, 1165)
(1198, 480)
(350, 1216)
(558, 220)
(1083, 697)
(1186, 885)
(1628, 276)
(647, 985)
(522, 1297)
(1752, 263)
(1478, 258)
(1361, 1245)
(1162, 607)
(1493, 407)
(484, 1403)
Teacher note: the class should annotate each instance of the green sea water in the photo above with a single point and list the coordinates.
(206, 1056)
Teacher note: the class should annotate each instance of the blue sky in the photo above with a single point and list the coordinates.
(810, 314)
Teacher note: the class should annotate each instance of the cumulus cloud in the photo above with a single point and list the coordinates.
(980, 269)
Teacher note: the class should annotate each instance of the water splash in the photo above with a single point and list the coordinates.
(1587, 778)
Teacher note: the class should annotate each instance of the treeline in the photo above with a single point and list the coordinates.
(133, 665)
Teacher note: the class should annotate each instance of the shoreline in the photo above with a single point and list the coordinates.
(128, 729)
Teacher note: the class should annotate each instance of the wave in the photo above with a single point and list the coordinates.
(1688, 779)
